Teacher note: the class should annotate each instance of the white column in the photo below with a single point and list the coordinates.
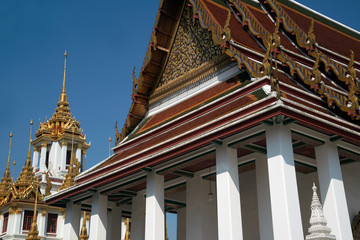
(114, 224)
(72, 221)
(17, 221)
(43, 156)
(63, 155)
(285, 207)
(98, 221)
(138, 217)
(228, 194)
(78, 153)
(154, 217)
(41, 221)
(263, 198)
(181, 224)
(332, 191)
(201, 216)
(35, 158)
(83, 160)
(10, 227)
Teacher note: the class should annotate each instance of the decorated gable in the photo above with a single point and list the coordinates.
(193, 55)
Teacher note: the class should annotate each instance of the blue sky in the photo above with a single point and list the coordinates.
(104, 41)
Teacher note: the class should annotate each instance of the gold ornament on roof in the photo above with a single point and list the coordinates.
(83, 232)
(6, 181)
(48, 184)
(109, 146)
(69, 178)
(311, 36)
(34, 233)
(25, 181)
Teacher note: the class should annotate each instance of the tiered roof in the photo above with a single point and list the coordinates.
(62, 125)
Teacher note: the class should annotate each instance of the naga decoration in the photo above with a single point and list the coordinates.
(311, 40)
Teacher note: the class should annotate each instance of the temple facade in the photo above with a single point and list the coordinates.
(238, 108)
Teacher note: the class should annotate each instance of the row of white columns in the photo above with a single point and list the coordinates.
(278, 200)
(40, 152)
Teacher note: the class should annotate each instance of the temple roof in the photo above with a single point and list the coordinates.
(310, 47)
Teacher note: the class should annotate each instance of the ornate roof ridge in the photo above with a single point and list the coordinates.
(344, 29)
(348, 104)
(308, 41)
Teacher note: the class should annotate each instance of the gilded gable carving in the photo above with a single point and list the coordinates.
(192, 48)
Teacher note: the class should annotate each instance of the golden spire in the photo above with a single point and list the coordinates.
(83, 232)
(109, 145)
(27, 176)
(33, 233)
(63, 96)
(28, 159)
(14, 169)
(6, 181)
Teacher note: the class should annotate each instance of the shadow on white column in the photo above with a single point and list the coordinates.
(138, 217)
(228, 194)
(263, 198)
(72, 221)
(98, 220)
(332, 191)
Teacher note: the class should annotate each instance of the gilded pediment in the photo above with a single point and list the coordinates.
(193, 54)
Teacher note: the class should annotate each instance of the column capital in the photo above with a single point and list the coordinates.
(44, 144)
(79, 145)
(11, 210)
(64, 142)
(18, 210)
(37, 148)
(43, 212)
(84, 151)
